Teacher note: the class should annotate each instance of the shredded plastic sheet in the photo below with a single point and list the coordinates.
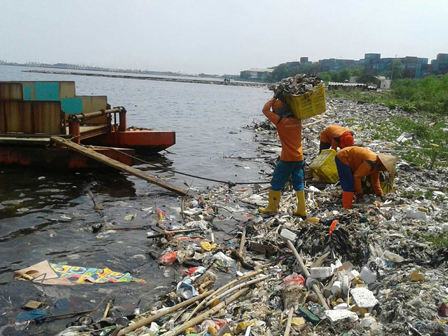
(56, 274)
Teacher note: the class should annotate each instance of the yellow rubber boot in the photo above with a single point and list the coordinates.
(274, 201)
(301, 205)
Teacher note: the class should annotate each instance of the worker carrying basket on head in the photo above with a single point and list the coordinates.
(335, 136)
(291, 162)
(353, 163)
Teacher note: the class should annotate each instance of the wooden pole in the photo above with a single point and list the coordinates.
(222, 289)
(307, 274)
(150, 319)
(288, 324)
(115, 164)
(227, 292)
(67, 314)
(203, 316)
(243, 240)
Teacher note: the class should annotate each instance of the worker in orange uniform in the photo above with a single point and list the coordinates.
(291, 162)
(335, 136)
(353, 163)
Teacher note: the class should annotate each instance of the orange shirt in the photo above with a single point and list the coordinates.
(290, 133)
(362, 162)
(331, 135)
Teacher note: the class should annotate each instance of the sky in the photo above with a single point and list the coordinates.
(217, 37)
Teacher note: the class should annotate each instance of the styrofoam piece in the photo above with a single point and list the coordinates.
(367, 275)
(367, 320)
(341, 306)
(354, 273)
(288, 235)
(321, 272)
(363, 297)
(345, 282)
(337, 287)
(338, 315)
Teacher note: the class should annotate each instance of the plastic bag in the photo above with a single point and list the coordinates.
(168, 259)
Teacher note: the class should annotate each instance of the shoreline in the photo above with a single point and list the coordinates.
(382, 233)
(161, 79)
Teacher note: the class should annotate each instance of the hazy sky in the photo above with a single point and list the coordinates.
(226, 36)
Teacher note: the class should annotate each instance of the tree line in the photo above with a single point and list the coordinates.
(395, 71)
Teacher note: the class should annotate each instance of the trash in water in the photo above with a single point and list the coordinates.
(54, 274)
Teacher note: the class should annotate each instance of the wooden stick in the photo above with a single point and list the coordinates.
(115, 164)
(106, 311)
(68, 314)
(288, 324)
(249, 275)
(222, 289)
(129, 228)
(205, 284)
(150, 319)
(166, 232)
(245, 284)
(203, 316)
(307, 274)
(243, 240)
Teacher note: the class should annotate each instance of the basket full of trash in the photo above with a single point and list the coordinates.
(304, 94)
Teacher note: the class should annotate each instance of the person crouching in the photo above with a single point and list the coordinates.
(353, 163)
(335, 136)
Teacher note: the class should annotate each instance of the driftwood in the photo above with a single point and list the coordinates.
(221, 290)
(307, 274)
(237, 256)
(117, 165)
(203, 316)
(150, 319)
(243, 285)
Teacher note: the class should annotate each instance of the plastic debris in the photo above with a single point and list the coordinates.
(338, 315)
(361, 259)
(363, 297)
(417, 276)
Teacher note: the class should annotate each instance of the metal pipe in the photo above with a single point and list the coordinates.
(90, 115)
(74, 129)
(122, 127)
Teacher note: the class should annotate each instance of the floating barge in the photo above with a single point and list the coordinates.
(31, 113)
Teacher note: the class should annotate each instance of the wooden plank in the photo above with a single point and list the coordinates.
(2, 116)
(67, 90)
(47, 117)
(25, 141)
(118, 165)
(18, 114)
(11, 91)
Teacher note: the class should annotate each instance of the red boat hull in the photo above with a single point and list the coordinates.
(55, 157)
(140, 140)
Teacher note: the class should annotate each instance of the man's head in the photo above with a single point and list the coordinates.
(282, 110)
(347, 140)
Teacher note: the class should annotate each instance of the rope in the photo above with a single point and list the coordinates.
(229, 183)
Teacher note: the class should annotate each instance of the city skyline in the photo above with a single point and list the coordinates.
(215, 36)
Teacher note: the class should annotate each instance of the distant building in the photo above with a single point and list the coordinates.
(439, 66)
(336, 64)
(257, 73)
(384, 83)
(413, 67)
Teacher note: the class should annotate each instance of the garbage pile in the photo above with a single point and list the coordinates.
(298, 85)
(365, 271)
